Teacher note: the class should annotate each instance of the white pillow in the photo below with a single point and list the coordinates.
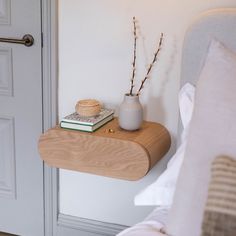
(186, 104)
(162, 190)
(212, 133)
(186, 100)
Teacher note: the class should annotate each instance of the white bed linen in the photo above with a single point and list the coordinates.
(151, 226)
(161, 192)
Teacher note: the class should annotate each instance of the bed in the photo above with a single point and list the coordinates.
(200, 202)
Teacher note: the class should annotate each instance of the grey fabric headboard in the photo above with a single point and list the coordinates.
(219, 24)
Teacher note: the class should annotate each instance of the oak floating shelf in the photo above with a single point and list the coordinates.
(110, 151)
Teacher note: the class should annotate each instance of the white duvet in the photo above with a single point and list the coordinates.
(153, 225)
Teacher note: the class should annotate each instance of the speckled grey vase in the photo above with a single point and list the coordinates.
(130, 113)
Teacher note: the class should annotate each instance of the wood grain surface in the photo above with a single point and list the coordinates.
(110, 151)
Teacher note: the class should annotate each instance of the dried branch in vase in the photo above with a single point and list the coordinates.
(134, 62)
(151, 65)
(134, 58)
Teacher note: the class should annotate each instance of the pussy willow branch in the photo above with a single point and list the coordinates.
(151, 65)
(134, 58)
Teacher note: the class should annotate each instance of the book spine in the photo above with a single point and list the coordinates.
(67, 125)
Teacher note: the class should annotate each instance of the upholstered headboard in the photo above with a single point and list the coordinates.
(219, 24)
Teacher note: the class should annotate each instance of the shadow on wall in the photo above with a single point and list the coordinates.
(156, 96)
(157, 111)
(156, 101)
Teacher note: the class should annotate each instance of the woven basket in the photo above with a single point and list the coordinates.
(88, 107)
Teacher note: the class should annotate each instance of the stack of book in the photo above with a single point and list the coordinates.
(89, 124)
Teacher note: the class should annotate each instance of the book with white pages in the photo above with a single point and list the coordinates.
(77, 119)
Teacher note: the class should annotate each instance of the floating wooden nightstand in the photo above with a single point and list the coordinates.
(110, 151)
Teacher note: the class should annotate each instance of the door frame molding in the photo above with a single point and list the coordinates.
(55, 223)
(49, 13)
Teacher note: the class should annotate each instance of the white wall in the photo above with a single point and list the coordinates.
(95, 47)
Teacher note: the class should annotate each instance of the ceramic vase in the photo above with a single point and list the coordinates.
(130, 113)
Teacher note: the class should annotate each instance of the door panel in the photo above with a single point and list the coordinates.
(6, 72)
(21, 170)
(5, 12)
(7, 158)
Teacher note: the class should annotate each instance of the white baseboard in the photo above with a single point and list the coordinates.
(86, 227)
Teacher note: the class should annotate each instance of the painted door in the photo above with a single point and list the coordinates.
(21, 170)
